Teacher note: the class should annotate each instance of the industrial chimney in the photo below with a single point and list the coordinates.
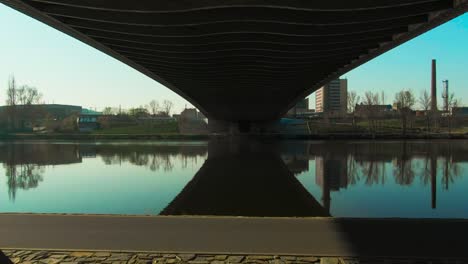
(434, 87)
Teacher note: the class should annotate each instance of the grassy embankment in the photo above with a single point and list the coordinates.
(383, 129)
(164, 131)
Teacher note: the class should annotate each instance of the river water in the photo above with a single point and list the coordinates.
(405, 179)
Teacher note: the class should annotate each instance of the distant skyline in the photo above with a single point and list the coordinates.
(67, 71)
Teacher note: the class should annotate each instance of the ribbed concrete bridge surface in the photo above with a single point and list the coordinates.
(242, 61)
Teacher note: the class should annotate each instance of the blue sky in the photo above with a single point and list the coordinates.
(69, 72)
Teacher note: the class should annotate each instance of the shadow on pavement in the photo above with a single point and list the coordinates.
(421, 238)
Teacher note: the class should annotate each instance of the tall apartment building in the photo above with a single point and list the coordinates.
(333, 97)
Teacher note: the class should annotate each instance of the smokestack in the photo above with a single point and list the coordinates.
(434, 87)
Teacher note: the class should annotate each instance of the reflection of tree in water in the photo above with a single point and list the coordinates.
(403, 166)
(409, 161)
(153, 161)
(373, 171)
(450, 171)
(425, 171)
(404, 171)
(23, 176)
(353, 172)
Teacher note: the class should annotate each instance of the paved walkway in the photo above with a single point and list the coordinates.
(235, 235)
(71, 257)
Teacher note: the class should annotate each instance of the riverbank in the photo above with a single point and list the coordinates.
(175, 136)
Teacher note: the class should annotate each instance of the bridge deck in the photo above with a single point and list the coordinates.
(240, 60)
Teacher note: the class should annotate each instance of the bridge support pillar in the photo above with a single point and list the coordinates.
(241, 127)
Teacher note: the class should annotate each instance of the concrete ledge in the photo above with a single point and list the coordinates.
(227, 235)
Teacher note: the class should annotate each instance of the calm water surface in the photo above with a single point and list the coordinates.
(427, 179)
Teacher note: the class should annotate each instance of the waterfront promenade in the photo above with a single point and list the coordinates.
(317, 237)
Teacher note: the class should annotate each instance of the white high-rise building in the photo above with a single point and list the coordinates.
(332, 97)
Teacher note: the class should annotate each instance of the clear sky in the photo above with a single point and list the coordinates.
(67, 71)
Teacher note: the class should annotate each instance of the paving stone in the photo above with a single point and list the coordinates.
(186, 257)
(35, 256)
(308, 259)
(143, 261)
(220, 257)
(329, 261)
(69, 259)
(91, 259)
(81, 254)
(204, 258)
(50, 261)
(21, 253)
(256, 257)
(119, 257)
(56, 257)
(290, 258)
(15, 260)
(235, 259)
(277, 261)
(145, 258)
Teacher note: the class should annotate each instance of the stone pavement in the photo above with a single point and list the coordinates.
(74, 257)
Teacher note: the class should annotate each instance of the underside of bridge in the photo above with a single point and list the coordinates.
(243, 61)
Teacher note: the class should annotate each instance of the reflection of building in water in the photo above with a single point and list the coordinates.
(333, 171)
(39, 154)
(331, 175)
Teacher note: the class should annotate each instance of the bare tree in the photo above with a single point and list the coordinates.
(11, 92)
(19, 100)
(21, 95)
(404, 101)
(167, 107)
(369, 101)
(108, 111)
(353, 100)
(425, 103)
(452, 102)
(32, 95)
(371, 98)
(11, 102)
(153, 107)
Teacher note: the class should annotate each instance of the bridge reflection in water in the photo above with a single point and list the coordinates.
(246, 178)
(236, 177)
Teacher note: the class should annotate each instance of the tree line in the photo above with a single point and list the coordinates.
(405, 103)
(153, 108)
